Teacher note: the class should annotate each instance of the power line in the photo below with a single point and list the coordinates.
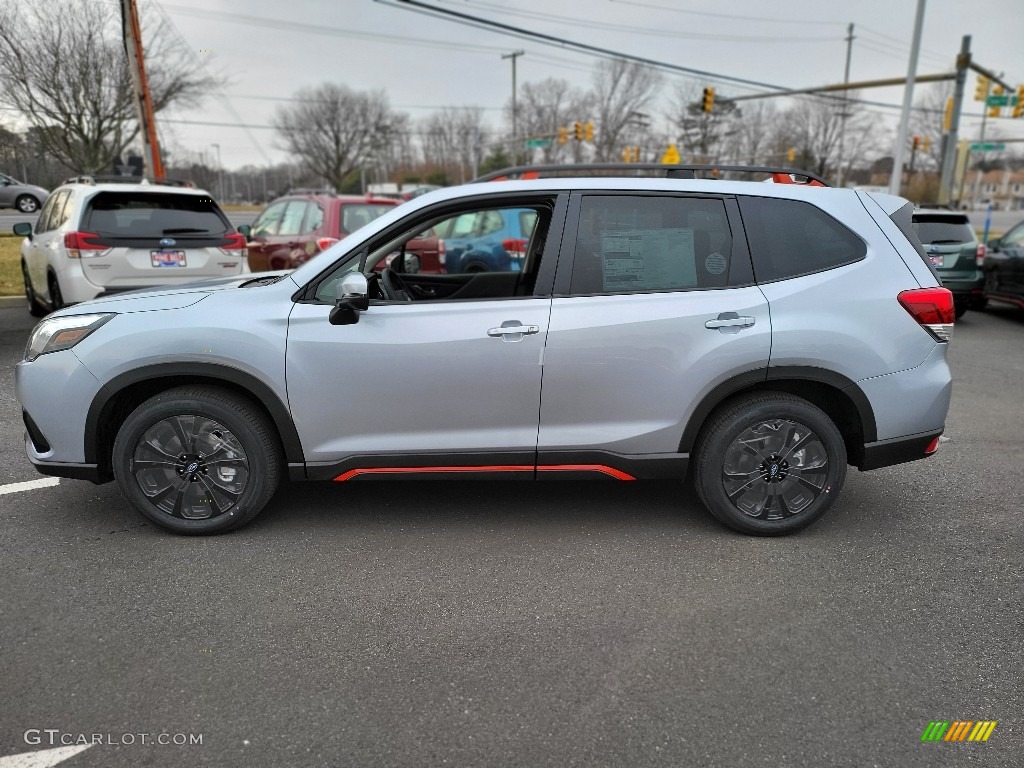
(730, 16)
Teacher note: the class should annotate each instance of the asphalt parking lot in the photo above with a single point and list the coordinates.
(553, 624)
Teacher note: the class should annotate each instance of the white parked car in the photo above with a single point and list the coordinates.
(96, 238)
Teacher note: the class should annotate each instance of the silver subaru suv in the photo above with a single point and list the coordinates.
(757, 336)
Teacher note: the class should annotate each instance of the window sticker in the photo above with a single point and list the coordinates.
(648, 260)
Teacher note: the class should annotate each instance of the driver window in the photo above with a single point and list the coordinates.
(488, 253)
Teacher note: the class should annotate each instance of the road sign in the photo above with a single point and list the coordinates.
(530, 143)
(987, 147)
(671, 156)
(1002, 100)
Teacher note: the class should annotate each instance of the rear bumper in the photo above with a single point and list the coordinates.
(964, 286)
(899, 450)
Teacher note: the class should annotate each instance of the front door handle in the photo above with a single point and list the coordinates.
(729, 322)
(513, 328)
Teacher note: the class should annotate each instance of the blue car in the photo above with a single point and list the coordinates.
(486, 241)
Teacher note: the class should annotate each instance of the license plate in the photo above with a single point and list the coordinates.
(936, 261)
(168, 258)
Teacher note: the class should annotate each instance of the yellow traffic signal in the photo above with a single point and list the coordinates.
(994, 111)
(588, 132)
(631, 155)
(578, 126)
(563, 134)
(997, 90)
(926, 143)
(1018, 108)
(709, 99)
(791, 154)
(947, 119)
(981, 89)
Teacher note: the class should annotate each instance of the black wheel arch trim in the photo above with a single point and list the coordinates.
(265, 396)
(761, 378)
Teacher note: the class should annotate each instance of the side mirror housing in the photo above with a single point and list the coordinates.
(23, 229)
(245, 229)
(352, 297)
(993, 245)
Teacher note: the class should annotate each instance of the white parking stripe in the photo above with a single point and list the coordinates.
(28, 485)
(44, 758)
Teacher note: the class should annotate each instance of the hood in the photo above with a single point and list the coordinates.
(171, 297)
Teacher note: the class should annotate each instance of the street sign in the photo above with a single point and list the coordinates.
(987, 147)
(531, 143)
(671, 156)
(1002, 100)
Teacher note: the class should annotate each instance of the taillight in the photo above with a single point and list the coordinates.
(441, 251)
(932, 308)
(979, 257)
(323, 243)
(77, 242)
(236, 245)
(515, 246)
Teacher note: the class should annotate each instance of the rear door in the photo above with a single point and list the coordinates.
(653, 308)
(155, 238)
(45, 247)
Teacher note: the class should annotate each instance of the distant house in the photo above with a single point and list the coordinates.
(1003, 187)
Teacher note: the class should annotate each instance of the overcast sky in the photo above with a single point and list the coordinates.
(268, 49)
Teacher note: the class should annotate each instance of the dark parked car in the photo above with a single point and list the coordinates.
(1004, 267)
(956, 254)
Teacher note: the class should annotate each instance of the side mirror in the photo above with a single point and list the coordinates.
(993, 245)
(351, 298)
(245, 229)
(23, 229)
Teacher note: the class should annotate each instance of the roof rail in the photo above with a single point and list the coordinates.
(93, 180)
(778, 175)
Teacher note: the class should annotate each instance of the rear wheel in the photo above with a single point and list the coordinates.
(34, 307)
(27, 204)
(769, 464)
(197, 460)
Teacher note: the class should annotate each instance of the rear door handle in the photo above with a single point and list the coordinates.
(729, 322)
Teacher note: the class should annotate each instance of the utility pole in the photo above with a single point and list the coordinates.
(220, 174)
(908, 97)
(515, 114)
(963, 61)
(131, 31)
(845, 113)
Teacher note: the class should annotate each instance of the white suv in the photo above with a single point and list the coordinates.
(93, 239)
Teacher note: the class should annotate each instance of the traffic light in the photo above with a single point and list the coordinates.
(588, 132)
(709, 99)
(926, 143)
(997, 90)
(563, 134)
(947, 119)
(917, 142)
(791, 154)
(579, 130)
(994, 111)
(1018, 108)
(981, 89)
(631, 155)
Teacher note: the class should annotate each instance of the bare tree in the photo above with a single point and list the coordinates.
(333, 130)
(813, 126)
(65, 70)
(547, 106)
(622, 90)
(453, 138)
(754, 130)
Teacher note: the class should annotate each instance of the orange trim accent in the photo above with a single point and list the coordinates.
(785, 178)
(617, 474)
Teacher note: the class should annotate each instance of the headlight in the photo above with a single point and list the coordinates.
(55, 334)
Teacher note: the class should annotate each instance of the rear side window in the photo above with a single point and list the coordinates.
(903, 218)
(638, 243)
(937, 230)
(790, 237)
(147, 214)
(355, 216)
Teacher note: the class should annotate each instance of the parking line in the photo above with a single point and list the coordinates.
(42, 759)
(29, 485)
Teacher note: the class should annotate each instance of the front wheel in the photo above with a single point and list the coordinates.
(769, 464)
(27, 204)
(197, 460)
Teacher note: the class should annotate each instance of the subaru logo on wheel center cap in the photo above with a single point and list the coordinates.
(192, 467)
(773, 469)
(167, 241)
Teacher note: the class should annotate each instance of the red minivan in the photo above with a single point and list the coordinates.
(294, 228)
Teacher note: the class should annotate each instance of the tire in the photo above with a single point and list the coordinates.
(180, 492)
(959, 310)
(56, 297)
(34, 307)
(27, 204)
(772, 502)
(978, 304)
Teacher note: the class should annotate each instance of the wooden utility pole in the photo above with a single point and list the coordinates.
(132, 32)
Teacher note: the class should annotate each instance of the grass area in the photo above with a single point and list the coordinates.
(10, 266)
(233, 207)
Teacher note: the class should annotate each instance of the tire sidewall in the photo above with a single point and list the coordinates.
(724, 433)
(31, 209)
(160, 408)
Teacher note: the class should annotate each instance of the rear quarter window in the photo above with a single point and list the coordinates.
(146, 214)
(789, 238)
